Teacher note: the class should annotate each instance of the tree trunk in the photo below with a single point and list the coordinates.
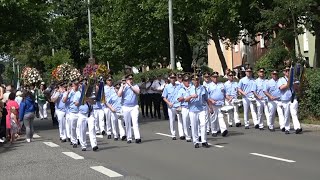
(186, 53)
(316, 61)
(222, 59)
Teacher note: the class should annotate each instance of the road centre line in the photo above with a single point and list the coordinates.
(51, 144)
(36, 136)
(73, 155)
(106, 171)
(273, 157)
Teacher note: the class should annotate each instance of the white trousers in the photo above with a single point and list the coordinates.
(262, 109)
(107, 113)
(43, 110)
(117, 125)
(92, 131)
(233, 117)
(61, 116)
(68, 125)
(217, 121)
(98, 115)
(208, 124)
(82, 126)
(73, 118)
(198, 119)
(246, 104)
(186, 123)
(273, 107)
(172, 113)
(291, 109)
(131, 114)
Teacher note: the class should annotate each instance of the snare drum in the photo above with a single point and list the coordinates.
(179, 109)
(227, 109)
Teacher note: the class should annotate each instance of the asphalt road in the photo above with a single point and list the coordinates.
(244, 155)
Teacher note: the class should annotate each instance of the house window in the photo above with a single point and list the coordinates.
(236, 48)
(305, 40)
(261, 41)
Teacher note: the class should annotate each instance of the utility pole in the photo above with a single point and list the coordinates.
(172, 54)
(90, 33)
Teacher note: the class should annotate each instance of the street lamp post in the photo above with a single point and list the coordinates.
(90, 33)
(172, 56)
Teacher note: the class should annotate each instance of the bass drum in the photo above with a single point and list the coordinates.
(227, 109)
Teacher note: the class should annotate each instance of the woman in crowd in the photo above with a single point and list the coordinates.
(42, 102)
(9, 105)
(26, 114)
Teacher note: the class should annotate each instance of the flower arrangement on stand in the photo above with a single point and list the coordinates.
(65, 72)
(74, 74)
(30, 76)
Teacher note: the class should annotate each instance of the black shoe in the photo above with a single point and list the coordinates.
(109, 136)
(287, 132)
(230, 125)
(97, 133)
(129, 142)
(60, 139)
(83, 149)
(103, 133)
(283, 129)
(219, 132)
(224, 134)
(199, 139)
(261, 129)
(298, 131)
(63, 140)
(71, 143)
(247, 127)
(196, 145)
(95, 148)
(68, 139)
(214, 134)
(143, 116)
(75, 146)
(208, 133)
(206, 145)
(174, 138)
(189, 140)
(116, 139)
(182, 138)
(256, 126)
(123, 138)
(138, 141)
(78, 142)
(238, 124)
(271, 130)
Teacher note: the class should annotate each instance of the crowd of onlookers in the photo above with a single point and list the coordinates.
(19, 108)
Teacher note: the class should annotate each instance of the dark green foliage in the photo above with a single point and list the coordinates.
(309, 100)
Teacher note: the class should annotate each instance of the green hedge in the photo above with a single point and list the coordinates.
(309, 105)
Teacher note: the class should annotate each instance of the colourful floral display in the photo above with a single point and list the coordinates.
(95, 71)
(30, 76)
(65, 72)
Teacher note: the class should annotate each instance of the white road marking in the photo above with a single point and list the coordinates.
(36, 136)
(164, 134)
(73, 155)
(272, 157)
(99, 136)
(106, 171)
(51, 144)
(217, 146)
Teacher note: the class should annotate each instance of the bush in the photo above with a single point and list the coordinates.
(309, 104)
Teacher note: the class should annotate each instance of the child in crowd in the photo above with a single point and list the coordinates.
(15, 125)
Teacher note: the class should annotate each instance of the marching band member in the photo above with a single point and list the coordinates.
(206, 83)
(149, 97)
(289, 102)
(60, 110)
(169, 95)
(130, 107)
(67, 104)
(142, 96)
(245, 88)
(114, 104)
(273, 93)
(197, 98)
(91, 126)
(231, 96)
(83, 114)
(98, 114)
(216, 93)
(262, 107)
(72, 98)
(108, 90)
(157, 87)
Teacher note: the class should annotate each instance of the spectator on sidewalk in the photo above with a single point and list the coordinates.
(27, 114)
(10, 104)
